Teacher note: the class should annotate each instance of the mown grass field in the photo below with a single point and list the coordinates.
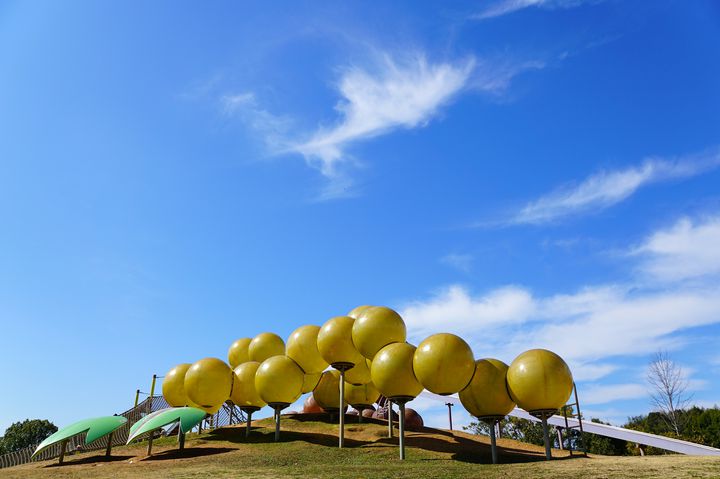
(309, 449)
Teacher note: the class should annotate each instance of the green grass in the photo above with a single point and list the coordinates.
(309, 449)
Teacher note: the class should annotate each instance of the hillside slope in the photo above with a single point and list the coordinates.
(309, 449)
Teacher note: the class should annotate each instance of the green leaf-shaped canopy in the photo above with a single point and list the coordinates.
(188, 417)
(96, 428)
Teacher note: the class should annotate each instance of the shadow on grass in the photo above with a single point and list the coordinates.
(90, 460)
(263, 435)
(188, 453)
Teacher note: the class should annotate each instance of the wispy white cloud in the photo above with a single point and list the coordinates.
(607, 393)
(504, 7)
(461, 262)
(273, 129)
(588, 327)
(688, 249)
(606, 188)
(395, 94)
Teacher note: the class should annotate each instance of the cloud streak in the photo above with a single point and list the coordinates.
(505, 7)
(688, 249)
(398, 94)
(607, 188)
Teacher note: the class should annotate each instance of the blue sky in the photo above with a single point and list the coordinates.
(523, 173)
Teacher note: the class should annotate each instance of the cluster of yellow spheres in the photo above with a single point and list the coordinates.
(369, 345)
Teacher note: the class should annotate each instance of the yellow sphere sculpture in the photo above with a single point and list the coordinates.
(310, 381)
(335, 344)
(173, 387)
(327, 391)
(539, 380)
(208, 382)
(392, 372)
(244, 393)
(444, 363)
(360, 374)
(357, 311)
(303, 349)
(486, 396)
(362, 395)
(238, 352)
(375, 328)
(264, 346)
(279, 380)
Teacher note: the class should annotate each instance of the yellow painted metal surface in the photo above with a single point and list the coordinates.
(361, 395)
(238, 352)
(377, 327)
(392, 371)
(444, 363)
(302, 348)
(244, 392)
(487, 395)
(208, 382)
(173, 387)
(539, 380)
(264, 346)
(279, 380)
(335, 341)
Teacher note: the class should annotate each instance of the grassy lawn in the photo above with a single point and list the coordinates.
(309, 449)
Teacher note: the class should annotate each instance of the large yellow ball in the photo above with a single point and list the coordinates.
(303, 349)
(310, 381)
(264, 346)
(444, 363)
(244, 393)
(539, 380)
(238, 352)
(279, 380)
(359, 374)
(173, 387)
(392, 371)
(486, 395)
(335, 344)
(362, 395)
(208, 382)
(375, 328)
(357, 311)
(327, 391)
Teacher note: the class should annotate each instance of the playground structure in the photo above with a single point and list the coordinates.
(360, 359)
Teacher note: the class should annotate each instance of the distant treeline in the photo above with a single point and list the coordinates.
(698, 425)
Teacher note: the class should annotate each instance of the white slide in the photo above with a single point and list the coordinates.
(661, 442)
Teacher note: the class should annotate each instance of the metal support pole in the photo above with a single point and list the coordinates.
(342, 412)
(493, 443)
(389, 415)
(137, 397)
(108, 450)
(277, 423)
(449, 405)
(360, 411)
(150, 441)
(248, 424)
(546, 437)
(150, 405)
(63, 446)
(401, 423)
(181, 438)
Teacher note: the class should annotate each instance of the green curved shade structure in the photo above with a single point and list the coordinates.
(96, 428)
(188, 417)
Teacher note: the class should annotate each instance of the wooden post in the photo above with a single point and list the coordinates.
(109, 444)
(63, 445)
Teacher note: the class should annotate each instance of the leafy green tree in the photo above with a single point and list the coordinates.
(607, 446)
(26, 433)
(515, 428)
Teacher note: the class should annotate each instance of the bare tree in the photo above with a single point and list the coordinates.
(669, 389)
